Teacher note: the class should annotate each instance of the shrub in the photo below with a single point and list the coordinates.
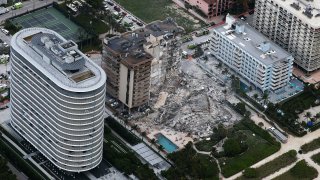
(303, 170)
(250, 173)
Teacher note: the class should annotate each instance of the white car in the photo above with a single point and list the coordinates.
(6, 32)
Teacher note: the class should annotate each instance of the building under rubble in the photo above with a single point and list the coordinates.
(250, 54)
(135, 60)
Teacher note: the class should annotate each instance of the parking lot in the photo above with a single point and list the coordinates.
(124, 17)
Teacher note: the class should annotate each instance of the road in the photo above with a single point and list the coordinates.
(128, 18)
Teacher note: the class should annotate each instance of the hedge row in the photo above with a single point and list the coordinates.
(122, 131)
(18, 161)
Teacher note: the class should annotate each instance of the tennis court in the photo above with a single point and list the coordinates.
(52, 19)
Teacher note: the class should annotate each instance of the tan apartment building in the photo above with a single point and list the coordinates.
(135, 60)
(295, 26)
(211, 8)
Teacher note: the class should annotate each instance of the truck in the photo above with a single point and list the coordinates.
(17, 5)
(3, 10)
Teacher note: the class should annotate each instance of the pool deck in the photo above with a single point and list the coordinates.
(178, 138)
(313, 78)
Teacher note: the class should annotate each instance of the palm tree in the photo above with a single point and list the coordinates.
(265, 97)
(160, 148)
(143, 134)
(255, 96)
(153, 141)
(308, 115)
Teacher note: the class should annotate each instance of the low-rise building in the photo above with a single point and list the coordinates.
(135, 60)
(211, 8)
(250, 54)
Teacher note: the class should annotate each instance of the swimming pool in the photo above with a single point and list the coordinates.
(166, 143)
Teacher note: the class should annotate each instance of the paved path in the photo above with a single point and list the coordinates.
(208, 153)
(293, 143)
(24, 153)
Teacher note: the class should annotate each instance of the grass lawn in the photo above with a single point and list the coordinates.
(301, 171)
(313, 145)
(190, 165)
(260, 145)
(97, 25)
(274, 165)
(150, 10)
(316, 158)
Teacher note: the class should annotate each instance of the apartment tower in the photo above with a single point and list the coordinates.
(250, 54)
(294, 25)
(136, 60)
(57, 99)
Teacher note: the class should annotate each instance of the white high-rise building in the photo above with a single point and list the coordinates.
(57, 99)
(294, 25)
(246, 51)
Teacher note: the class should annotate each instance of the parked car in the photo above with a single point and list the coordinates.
(117, 8)
(6, 32)
(139, 24)
(134, 20)
(110, 3)
(124, 13)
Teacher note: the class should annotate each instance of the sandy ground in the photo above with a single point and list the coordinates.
(312, 110)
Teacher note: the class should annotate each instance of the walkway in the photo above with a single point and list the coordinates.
(30, 159)
(215, 159)
(293, 143)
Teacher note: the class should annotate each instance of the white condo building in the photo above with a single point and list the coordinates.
(294, 25)
(57, 99)
(247, 52)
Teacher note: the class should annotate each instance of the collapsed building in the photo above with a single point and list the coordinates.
(135, 60)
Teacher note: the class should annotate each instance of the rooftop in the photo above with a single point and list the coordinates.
(60, 60)
(130, 45)
(253, 42)
(306, 10)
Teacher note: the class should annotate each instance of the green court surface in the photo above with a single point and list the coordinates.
(52, 19)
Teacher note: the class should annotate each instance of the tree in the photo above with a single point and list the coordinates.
(250, 173)
(81, 36)
(96, 4)
(220, 132)
(241, 108)
(160, 148)
(198, 52)
(308, 115)
(265, 97)
(233, 147)
(143, 134)
(255, 96)
(260, 124)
